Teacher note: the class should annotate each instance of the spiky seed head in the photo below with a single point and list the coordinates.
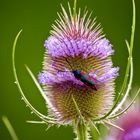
(81, 43)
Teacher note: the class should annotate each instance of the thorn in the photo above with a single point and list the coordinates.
(22, 98)
(134, 102)
(32, 112)
(117, 117)
(15, 82)
(111, 124)
(35, 122)
(47, 128)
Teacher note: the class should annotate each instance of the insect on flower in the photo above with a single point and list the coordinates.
(85, 78)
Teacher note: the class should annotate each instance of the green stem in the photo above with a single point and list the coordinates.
(81, 131)
(10, 128)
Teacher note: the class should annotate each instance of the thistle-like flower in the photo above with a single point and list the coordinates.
(78, 74)
(76, 46)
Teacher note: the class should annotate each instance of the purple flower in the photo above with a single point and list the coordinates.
(130, 122)
(77, 44)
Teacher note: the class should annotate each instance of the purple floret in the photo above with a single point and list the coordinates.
(110, 74)
(64, 47)
(60, 77)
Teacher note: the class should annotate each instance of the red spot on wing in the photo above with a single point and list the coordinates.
(89, 77)
(82, 73)
(94, 79)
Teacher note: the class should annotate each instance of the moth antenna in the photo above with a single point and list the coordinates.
(69, 63)
(60, 70)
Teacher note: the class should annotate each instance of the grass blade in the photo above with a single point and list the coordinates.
(9, 128)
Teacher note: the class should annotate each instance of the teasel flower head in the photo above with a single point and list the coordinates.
(78, 75)
(77, 43)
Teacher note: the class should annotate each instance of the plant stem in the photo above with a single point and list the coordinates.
(81, 131)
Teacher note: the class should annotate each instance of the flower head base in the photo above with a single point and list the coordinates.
(76, 44)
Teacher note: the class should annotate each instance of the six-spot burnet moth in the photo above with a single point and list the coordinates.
(85, 78)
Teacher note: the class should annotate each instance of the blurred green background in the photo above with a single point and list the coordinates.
(36, 18)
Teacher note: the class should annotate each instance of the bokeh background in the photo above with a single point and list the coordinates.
(36, 18)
